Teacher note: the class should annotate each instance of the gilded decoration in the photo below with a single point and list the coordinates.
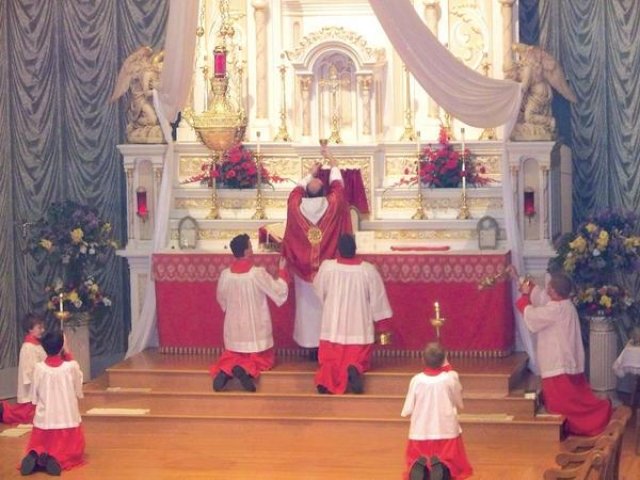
(183, 203)
(320, 38)
(493, 203)
(190, 166)
(468, 32)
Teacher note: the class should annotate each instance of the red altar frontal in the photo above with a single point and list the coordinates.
(478, 322)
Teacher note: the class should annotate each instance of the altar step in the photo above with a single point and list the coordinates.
(388, 376)
(236, 404)
(176, 391)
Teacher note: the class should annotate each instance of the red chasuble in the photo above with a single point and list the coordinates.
(306, 245)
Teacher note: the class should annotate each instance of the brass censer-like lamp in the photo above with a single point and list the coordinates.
(222, 124)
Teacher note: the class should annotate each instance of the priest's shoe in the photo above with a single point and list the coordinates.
(245, 379)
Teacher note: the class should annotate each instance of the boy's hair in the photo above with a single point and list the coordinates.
(434, 355)
(239, 244)
(52, 341)
(30, 320)
(561, 284)
(347, 245)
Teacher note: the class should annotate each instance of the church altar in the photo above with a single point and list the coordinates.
(478, 322)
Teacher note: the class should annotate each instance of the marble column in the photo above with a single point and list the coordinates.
(262, 85)
(507, 33)
(431, 17)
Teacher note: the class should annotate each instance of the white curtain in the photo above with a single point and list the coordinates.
(172, 94)
(468, 96)
(464, 93)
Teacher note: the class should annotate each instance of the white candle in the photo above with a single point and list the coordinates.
(418, 142)
(258, 145)
(464, 183)
(437, 307)
(464, 164)
(61, 303)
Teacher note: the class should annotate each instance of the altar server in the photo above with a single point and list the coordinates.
(31, 353)
(353, 298)
(435, 437)
(565, 389)
(316, 216)
(242, 294)
(57, 440)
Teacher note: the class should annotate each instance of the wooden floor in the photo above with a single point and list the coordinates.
(287, 431)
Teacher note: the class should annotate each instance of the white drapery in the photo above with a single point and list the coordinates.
(172, 94)
(468, 96)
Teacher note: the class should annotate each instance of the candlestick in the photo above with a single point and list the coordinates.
(437, 307)
(418, 142)
(61, 303)
(437, 322)
(464, 167)
(258, 145)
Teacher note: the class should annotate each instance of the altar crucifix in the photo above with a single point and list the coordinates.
(332, 83)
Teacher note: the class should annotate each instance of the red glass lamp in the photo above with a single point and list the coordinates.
(142, 209)
(529, 203)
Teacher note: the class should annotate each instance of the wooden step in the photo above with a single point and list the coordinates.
(239, 404)
(387, 377)
(378, 433)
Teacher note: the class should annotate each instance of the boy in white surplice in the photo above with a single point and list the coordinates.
(242, 294)
(354, 302)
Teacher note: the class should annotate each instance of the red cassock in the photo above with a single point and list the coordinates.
(306, 245)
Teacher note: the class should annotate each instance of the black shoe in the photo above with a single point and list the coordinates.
(418, 469)
(439, 471)
(53, 467)
(220, 381)
(42, 460)
(312, 354)
(1, 411)
(28, 464)
(355, 379)
(322, 389)
(245, 379)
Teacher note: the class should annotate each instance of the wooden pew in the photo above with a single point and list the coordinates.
(594, 466)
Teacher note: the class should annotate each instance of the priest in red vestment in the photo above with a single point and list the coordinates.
(317, 215)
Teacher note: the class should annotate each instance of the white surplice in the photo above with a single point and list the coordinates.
(558, 339)
(433, 402)
(30, 354)
(243, 298)
(353, 298)
(55, 394)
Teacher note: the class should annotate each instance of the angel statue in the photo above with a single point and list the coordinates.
(537, 71)
(140, 74)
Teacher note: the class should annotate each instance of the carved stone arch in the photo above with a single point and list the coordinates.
(358, 102)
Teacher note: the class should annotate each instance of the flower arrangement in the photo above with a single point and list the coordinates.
(601, 249)
(72, 239)
(442, 167)
(238, 169)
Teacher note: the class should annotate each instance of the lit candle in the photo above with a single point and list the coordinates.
(437, 307)
(61, 303)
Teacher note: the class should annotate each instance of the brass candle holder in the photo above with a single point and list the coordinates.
(63, 317)
(420, 213)
(464, 213)
(259, 213)
(384, 338)
(438, 321)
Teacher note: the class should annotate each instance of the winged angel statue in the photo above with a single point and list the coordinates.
(140, 74)
(537, 71)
